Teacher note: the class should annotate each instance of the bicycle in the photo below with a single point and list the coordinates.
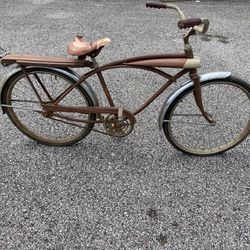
(50, 103)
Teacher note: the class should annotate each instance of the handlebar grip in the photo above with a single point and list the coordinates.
(188, 23)
(156, 5)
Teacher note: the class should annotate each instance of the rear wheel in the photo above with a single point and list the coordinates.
(228, 101)
(25, 104)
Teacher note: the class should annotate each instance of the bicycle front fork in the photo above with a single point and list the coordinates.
(197, 95)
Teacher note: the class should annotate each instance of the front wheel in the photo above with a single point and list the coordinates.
(23, 106)
(227, 101)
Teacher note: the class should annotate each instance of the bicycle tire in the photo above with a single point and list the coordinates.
(227, 100)
(33, 124)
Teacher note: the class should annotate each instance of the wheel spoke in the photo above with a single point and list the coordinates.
(195, 123)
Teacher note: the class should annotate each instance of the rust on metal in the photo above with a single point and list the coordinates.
(105, 89)
(90, 110)
(197, 94)
(151, 69)
(48, 61)
(43, 87)
(165, 62)
(121, 63)
(31, 83)
(152, 63)
(157, 93)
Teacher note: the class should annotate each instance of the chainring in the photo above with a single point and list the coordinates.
(117, 126)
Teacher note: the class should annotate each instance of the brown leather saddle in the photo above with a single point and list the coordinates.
(80, 47)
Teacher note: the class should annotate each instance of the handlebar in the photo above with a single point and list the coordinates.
(156, 5)
(188, 23)
(166, 6)
(200, 25)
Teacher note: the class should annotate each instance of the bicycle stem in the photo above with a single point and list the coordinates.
(187, 46)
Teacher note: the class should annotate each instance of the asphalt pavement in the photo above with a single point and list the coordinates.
(132, 193)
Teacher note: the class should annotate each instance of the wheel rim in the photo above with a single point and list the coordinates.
(34, 124)
(227, 103)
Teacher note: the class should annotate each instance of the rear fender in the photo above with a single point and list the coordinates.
(186, 85)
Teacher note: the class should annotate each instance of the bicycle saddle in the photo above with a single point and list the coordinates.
(80, 47)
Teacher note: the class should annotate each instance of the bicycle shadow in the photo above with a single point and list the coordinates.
(218, 38)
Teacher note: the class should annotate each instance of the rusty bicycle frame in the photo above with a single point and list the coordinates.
(186, 62)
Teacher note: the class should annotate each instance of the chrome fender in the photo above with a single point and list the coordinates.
(68, 72)
(186, 85)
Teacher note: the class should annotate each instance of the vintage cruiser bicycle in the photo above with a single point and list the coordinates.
(50, 103)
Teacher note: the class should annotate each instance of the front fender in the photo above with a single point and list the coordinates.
(68, 72)
(186, 85)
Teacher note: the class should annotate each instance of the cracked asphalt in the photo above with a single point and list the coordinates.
(132, 193)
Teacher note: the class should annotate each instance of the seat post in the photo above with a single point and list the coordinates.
(95, 63)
